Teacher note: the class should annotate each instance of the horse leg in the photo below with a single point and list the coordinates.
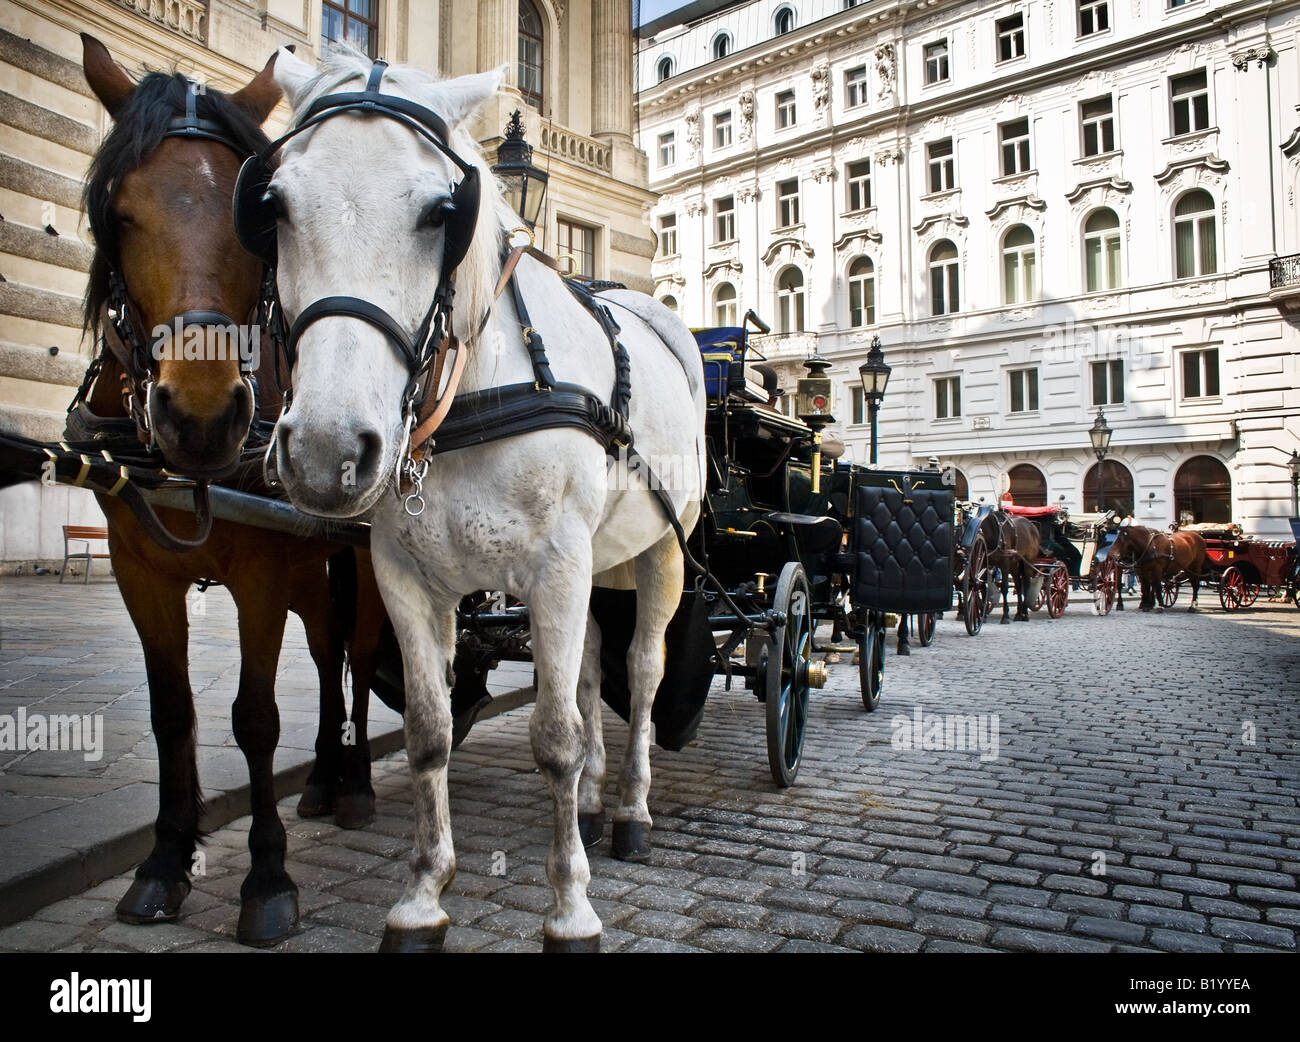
(325, 643)
(591, 784)
(1023, 579)
(1004, 577)
(1119, 588)
(157, 608)
(658, 592)
(268, 897)
(1196, 589)
(904, 645)
(1148, 602)
(356, 802)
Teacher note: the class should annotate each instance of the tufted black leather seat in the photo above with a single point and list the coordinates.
(904, 547)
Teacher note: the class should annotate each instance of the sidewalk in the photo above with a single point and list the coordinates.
(68, 822)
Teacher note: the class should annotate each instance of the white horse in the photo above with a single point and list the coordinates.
(541, 515)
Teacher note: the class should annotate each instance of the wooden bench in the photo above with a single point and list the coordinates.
(84, 534)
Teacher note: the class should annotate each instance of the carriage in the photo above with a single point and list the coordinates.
(1242, 568)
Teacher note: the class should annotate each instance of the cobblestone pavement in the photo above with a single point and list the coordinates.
(1143, 797)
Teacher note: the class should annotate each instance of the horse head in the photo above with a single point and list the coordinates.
(374, 207)
(171, 291)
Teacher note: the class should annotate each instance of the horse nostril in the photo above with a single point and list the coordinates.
(372, 451)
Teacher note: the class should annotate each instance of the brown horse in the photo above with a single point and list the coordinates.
(1016, 558)
(1156, 556)
(159, 202)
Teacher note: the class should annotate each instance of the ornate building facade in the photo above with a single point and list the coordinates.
(1041, 208)
(571, 72)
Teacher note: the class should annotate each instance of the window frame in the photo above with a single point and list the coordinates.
(1199, 220)
(722, 121)
(668, 234)
(942, 69)
(1189, 98)
(1091, 8)
(787, 113)
(1004, 32)
(728, 215)
(1027, 378)
(791, 302)
(537, 98)
(863, 285)
(720, 45)
(787, 203)
(1101, 125)
(569, 225)
(1203, 374)
(854, 83)
(667, 146)
(859, 185)
(343, 9)
(1015, 150)
(1102, 237)
(947, 397)
(944, 163)
(784, 11)
(1026, 274)
(945, 295)
(1108, 368)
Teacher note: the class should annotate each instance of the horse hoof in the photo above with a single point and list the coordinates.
(266, 921)
(591, 828)
(576, 945)
(355, 810)
(152, 901)
(631, 841)
(904, 649)
(422, 939)
(316, 801)
(1005, 621)
(1193, 608)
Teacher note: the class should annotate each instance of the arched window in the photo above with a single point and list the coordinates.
(664, 69)
(1028, 486)
(670, 302)
(1203, 491)
(789, 301)
(1195, 250)
(945, 297)
(1115, 493)
(721, 45)
(1101, 251)
(1019, 265)
(724, 305)
(960, 486)
(530, 53)
(784, 20)
(862, 292)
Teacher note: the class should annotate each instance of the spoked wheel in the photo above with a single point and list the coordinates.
(1058, 590)
(1252, 592)
(1167, 591)
(789, 674)
(1106, 587)
(1040, 599)
(1232, 589)
(925, 628)
(976, 605)
(871, 660)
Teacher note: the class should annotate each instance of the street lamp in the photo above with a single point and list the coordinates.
(1100, 433)
(524, 183)
(1294, 465)
(875, 378)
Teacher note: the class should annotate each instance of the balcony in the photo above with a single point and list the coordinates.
(1284, 283)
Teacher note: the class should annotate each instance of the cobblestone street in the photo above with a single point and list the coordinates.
(1143, 797)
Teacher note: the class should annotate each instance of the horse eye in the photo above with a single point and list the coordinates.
(275, 201)
(433, 215)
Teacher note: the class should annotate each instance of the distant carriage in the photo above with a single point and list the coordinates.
(1242, 568)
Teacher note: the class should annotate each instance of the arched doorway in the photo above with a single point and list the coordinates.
(1203, 491)
(960, 486)
(1028, 486)
(1116, 493)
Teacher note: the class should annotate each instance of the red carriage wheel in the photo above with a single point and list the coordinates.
(1058, 590)
(1232, 588)
(1105, 587)
(1167, 592)
(1252, 592)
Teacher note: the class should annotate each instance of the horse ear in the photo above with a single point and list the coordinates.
(261, 94)
(111, 85)
(293, 76)
(457, 99)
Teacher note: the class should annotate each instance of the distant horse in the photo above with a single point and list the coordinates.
(1156, 556)
(1016, 558)
(376, 210)
(158, 201)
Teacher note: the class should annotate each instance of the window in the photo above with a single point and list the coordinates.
(1028, 487)
(667, 148)
(1191, 102)
(1108, 382)
(942, 176)
(351, 21)
(1024, 390)
(785, 109)
(1115, 489)
(1180, 3)
(668, 235)
(580, 241)
(857, 403)
(664, 69)
(724, 220)
(862, 292)
(945, 298)
(1019, 267)
(784, 21)
(1201, 373)
(722, 129)
(670, 302)
(1101, 251)
(960, 486)
(1194, 236)
(530, 53)
(787, 203)
(936, 61)
(789, 301)
(1011, 37)
(1015, 146)
(1203, 491)
(724, 305)
(1097, 120)
(859, 184)
(855, 86)
(947, 397)
(1094, 17)
(721, 46)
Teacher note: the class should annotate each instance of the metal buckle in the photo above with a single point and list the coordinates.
(403, 453)
(414, 503)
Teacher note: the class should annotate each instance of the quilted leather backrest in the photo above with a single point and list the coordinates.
(904, 545)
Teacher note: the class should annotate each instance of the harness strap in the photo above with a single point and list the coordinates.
(515, 409)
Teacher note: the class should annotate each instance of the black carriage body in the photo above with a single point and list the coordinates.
(904, 541)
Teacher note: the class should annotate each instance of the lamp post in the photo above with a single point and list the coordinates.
(1099, 433)
(875, 378)
(1293, 464)
(525, 184)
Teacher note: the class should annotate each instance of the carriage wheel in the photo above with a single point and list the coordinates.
(1058, 590)
(977, 590)
(1106, 587)
(789, 658)
(1167, 592)
(1232, 588)
(925, 628)
(871, 660)
(1252, 592)
(1041, 598)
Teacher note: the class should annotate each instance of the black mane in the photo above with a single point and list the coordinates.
(137, 130)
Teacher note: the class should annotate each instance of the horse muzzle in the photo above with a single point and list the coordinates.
(327, 470)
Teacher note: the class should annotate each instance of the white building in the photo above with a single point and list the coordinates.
(1040, 208)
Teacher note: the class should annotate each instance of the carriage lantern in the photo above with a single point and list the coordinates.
(875, 378)
(813, 406)
(1100, 433)
(524, 183)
